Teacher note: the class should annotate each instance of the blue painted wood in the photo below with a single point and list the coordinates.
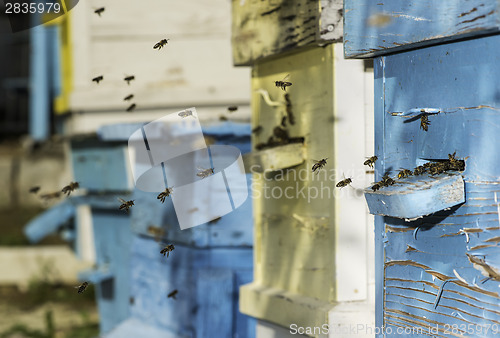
(112, 239)
(458, 246)
(374, 28)
(49, 221)
(100, 167)
(198, 275)
(417, 196)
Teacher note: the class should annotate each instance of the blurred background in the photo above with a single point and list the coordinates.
(60, 122)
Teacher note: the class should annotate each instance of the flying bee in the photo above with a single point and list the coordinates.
(167, 249)
(283, 83)
(99, 11)
(173, 294)
(131, 107)
(129, 78)
(344, 183)
(50, 195)
(98, 79)
(232, 108)
(424, 122)
(125, 205)
(404, 173)
(128, 97)
(319, 164)
(371, 161)
(165, 194)
(222, 118)
(160, 44)
(186, 113)
(34, 190)
(157, 232)
(70, 187)
(205, 172)
(82, 287)
(420, 170)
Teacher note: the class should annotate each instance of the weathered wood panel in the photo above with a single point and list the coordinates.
(375, 28)
(439, 275)
(268, 28)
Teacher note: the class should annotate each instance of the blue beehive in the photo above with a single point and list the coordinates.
(132, 278)
(437, 253)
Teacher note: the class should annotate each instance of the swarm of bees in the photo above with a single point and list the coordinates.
(82, 287)
(319, 165)
(345, 182)
(173, 294)
(371, 161)
(98, 79)
(289, 112)
(160, 44)
(165, 194)
(167, 249)
(70, 187)
(125, 205)
(283, 83)
(205, 172)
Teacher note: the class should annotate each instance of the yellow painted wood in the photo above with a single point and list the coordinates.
(294, 209)
(61, 103)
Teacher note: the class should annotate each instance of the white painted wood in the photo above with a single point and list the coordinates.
(193, 69)
(85, 246)
(350, 244)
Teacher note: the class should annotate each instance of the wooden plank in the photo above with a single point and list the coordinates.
(416, 196)
(374, 28)
(268, 28)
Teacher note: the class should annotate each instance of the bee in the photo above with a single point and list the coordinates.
(371, 161)
(387, 181)
(99, 11)
(376, 186)
(344, 183)
(283, 83)
(131, 107)
(128, 97)
(438, 168)
(319, 164)
(455, 164)
(424, 122)
(232, 108)
(129, 78)
(222, 118)
(185, 113)
(34, 190)
(98, 79)
(404, 173)
(82, 287)
(70, 187)
(165, 194)
(50, 195)
(283, 121)
(157, 232)
(419, 170)
(160, 44)
(257, 130)
(125, 205)
(205, 172)
(173, 294)
(167, 249)
(215, 220)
